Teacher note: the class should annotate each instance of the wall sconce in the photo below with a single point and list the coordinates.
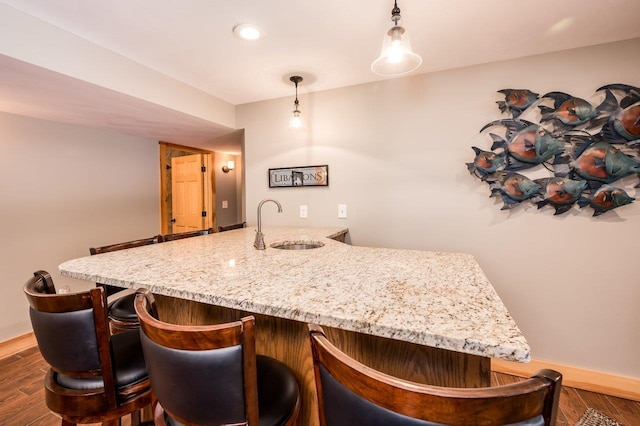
(296, 122)
(396, 56)
(229, 166)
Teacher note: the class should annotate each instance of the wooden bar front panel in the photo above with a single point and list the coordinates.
(288, 341)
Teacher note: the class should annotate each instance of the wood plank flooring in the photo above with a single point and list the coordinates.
(574, 402)
(22, 396)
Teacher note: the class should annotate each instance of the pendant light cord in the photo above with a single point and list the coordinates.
(296, 79)
(395, 13)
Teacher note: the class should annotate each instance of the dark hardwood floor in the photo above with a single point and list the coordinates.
(574, 402)
(22, 396)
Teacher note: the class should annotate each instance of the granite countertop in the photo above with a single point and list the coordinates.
(436, 299)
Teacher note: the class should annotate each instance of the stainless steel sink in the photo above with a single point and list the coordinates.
(297, 245)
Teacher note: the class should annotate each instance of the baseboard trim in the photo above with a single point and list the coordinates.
(17, 344)
(594, 381)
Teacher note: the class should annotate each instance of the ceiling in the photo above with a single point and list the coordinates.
(331, 43)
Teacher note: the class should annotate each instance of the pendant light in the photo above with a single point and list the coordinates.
(296, 122)
(396, 57)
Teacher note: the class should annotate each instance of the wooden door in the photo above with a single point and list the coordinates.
(187, 193)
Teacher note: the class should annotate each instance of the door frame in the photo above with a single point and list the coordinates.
(209, 184)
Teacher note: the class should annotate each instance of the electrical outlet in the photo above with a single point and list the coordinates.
(303, 211)
(342, 211)
(225, 204)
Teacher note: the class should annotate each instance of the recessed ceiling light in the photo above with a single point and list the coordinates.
(248, 32)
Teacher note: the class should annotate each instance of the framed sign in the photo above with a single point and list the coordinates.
(294, 177)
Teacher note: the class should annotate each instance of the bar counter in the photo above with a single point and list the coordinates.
(431, 317)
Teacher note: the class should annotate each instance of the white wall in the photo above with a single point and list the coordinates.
(64, 189)
(396, 152)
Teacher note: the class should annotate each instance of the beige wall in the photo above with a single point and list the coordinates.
(227, 190)
(65, 189)
(396, 152)
(230, 186)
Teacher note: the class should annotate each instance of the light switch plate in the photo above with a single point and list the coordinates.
(342, 211)
(225, 204)
(303, 211)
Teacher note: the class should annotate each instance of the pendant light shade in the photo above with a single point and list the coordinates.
(296, 121)
(396, 56)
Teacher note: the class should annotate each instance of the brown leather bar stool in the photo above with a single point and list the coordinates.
(211, 374)
(122, 316)
(350, 393)
(93, 376)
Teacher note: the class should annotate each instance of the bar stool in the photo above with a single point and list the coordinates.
(231, 227)
(122, 315)
(350, 394)
(211, 374)
(94, 377)
(188, 234)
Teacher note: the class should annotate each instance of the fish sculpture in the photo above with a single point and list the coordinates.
(624, 120)
(606, 198)
(527, 143)
(514, 188)
(585, 149)
(516, 101)
(560, 193)
(485, 163)
(567, 112)
(602, 162)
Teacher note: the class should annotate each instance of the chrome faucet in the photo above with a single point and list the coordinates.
(259, 242)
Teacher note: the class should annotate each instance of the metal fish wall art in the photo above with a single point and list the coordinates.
(606, 198)
(486, 162)
(624, 118)
(588, 150)
(516, 101)
(560, 193)
(567, 112)
(602, 162)
(526, 143)
(514, 188)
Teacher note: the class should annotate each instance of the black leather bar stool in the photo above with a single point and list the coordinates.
(94, 377)
(122, 315)
(211, 374)
(351, 394)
